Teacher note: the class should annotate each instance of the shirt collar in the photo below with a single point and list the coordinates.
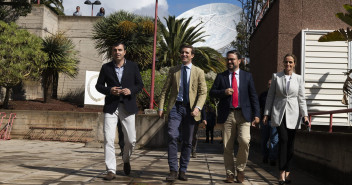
(237, 72)
(188, 66)
(122, 65)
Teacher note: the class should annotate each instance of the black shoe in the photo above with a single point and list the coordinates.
(288, 181)
(182, 176)
(265, 161)
(194, 155)
(272, 163)
(281, 182)
(127, 168)
(211, 141)
(172, 176)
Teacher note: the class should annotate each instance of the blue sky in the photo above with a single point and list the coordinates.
(177, 7)
(143, 7)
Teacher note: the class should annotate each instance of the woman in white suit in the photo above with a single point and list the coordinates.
(287, 105)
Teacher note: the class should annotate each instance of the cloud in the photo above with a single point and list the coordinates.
(141, 7)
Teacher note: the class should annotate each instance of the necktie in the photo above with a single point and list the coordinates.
(235, 92)
(185, 85)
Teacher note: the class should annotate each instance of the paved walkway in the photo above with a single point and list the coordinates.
(60, 163)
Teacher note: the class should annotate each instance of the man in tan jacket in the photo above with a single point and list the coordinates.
(187, 88)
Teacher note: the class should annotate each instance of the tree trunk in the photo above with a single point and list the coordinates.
(55, 84)
(47, 79)
(5, 105)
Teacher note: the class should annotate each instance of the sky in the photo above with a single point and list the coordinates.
(141, 7)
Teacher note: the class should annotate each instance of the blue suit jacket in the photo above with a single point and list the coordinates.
(131, 79)
(247, 96)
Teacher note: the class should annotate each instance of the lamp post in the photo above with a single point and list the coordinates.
(151, 106)
(87, 2)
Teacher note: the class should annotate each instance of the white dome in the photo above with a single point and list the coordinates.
(218, 21)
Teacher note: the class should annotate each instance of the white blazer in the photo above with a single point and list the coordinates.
(293, 102)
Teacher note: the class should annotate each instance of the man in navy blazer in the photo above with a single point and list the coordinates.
(120, 81)
(238, 103)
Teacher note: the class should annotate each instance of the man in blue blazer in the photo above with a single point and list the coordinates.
(238, 103)
(120, 81)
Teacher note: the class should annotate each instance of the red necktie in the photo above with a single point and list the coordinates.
(235, 92)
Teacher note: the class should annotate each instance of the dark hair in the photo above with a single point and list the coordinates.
(78, 7)
(102, 8)
(187, 46)
(119, 43)
(235, 53)
(291, 55)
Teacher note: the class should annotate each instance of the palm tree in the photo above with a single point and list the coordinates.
(340, 34)
(177, 33)
(134, 30)
(62, 59)
(54, 5)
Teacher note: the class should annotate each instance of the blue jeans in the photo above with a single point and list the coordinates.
(269, 148)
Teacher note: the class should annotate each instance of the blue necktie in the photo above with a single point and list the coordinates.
(185, 85)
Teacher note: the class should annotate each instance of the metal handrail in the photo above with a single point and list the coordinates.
(328, 112)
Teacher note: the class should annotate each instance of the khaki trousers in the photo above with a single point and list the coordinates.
(236, 123)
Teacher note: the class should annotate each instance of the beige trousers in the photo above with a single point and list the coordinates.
(236, 123)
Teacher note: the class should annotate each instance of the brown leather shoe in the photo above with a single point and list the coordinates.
(172, 176)
(240, 176)
(110, 176)
(230, 178)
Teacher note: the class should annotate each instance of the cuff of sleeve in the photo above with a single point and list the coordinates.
(199, 108)
(161, 109)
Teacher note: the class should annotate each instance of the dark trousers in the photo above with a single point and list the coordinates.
(180, 116)
(209, 129)
(195, 137)
(286, 146)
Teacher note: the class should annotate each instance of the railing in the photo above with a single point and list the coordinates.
(149, 96)
(328, 112)
(59, 134)
(5, 132)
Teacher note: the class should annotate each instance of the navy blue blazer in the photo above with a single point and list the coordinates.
(131, 79)
(248, 97)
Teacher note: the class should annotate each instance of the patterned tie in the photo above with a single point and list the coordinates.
(185, 85)
(235, 92)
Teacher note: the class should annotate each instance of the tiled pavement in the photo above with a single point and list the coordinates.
(60, 163)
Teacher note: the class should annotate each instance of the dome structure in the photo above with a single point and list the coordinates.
(219, 22)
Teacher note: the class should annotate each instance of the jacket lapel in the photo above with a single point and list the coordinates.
(112, 66)
(125, 71)
(283, 82)
(293, 81)
(227, 79)
(178, 77)
(191, 78)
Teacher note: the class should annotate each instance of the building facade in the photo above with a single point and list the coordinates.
(43, 22)
(295, 27)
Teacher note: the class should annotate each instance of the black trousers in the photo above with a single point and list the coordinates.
(286, 145)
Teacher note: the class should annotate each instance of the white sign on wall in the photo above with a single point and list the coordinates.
(91, 95)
